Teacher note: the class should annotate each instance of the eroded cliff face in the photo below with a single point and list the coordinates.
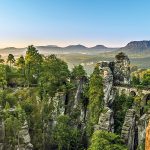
(134, 126)
(113, 73)
(24, 136)
(134, 129)
(106, 120)
(121, 69)
(129, 129)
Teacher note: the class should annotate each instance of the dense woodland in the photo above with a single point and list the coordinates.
(29, 83)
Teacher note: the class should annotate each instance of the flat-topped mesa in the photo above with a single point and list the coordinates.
(120, 69)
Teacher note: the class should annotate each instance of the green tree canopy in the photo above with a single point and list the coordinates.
(78, 72)
(103, 140)
(11, 59)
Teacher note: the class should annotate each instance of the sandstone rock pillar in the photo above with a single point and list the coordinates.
(147, 139)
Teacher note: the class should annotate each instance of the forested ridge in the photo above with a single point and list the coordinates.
(60, 107)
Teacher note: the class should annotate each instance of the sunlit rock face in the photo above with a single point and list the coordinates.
(25, 138)
(106, 121)
(129, 129)
(106, 69)
(121, 69)
(147, 139)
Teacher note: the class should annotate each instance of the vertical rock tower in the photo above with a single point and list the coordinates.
(114, 73)
(121, 70)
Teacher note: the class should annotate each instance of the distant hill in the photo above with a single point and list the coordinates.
(99, 47)
(54, 49)
(77, 48)
(136, 47)
(138, 52)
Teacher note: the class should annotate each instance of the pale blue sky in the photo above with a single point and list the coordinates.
(63, 22)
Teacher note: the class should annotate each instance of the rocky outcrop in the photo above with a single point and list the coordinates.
(147, 140)
(25, 138)
(105, 66)
(106, 121)
(78, 92)
(121, 69)
(129, 129)
(58, 104)
(24, 141)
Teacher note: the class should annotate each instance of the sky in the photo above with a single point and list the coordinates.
(112, 23)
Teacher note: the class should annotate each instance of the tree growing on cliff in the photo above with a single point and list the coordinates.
(78, 72)
(95, 97)
(103, 140)
(65, 136)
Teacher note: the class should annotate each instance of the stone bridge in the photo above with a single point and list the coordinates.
(133, 91)
(116, 77)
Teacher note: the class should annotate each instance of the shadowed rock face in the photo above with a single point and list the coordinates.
(147, 140)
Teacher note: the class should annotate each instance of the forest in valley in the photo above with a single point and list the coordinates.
(60, 106)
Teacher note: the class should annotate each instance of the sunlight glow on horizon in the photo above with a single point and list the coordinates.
(65, 22)
(22, 44)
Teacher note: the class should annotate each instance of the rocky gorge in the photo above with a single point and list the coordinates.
(135, 130)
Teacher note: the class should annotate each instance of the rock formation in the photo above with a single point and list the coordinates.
(128, 129)
(114, 73)
(147, 140)
(121, 69)
(25, 138)
(106, 121)
(108, 83)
